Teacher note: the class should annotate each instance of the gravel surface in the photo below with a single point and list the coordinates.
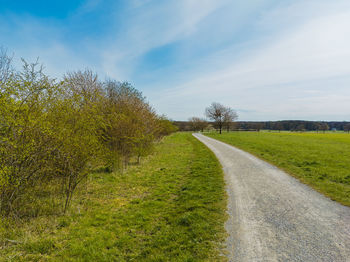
(274, 217)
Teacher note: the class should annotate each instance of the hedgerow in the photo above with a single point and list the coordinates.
(56, 132)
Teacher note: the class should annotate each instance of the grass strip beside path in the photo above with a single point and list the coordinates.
(170, 208)
(319, 160)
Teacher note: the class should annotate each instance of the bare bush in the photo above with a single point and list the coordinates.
(198, 124)
(6, 69)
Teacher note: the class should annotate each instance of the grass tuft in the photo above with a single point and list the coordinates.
(170, 208)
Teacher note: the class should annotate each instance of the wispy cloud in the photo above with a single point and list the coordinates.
(150, 25)
(266, 58)
(310, 53)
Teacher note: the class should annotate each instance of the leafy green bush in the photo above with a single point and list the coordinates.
(58, 132)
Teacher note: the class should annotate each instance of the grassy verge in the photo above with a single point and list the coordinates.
(319, 160)
(170, 208)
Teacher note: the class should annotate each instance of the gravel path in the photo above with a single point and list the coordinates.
(273, 217)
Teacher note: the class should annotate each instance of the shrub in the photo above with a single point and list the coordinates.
(58, 132)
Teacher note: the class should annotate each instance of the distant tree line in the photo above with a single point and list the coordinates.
(285, 125)
(296, 125)
(200, 124)
(54, 133)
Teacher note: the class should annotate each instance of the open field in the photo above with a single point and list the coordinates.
(319, 160)
(171, 207)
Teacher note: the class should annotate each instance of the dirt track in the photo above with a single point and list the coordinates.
(273, 217)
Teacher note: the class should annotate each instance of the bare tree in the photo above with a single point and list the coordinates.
(278, 126)
(85, 84)
(216, 112)
(317, 126)
(202, 124)
(324, 127)
(220, 114)
(197, 124)
(229, 117)
(347, 128)
(6, 69)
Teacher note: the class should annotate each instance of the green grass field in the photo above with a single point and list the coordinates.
(169, 208)
(319, 160)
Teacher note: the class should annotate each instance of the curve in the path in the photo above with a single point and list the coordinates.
(274, 217)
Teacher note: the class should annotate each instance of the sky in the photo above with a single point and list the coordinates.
(267, 59)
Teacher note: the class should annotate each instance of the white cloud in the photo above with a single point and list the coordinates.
(270, 59)
(148, 28)
(307, 54)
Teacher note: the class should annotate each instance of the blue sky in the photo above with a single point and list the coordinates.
(268, 59)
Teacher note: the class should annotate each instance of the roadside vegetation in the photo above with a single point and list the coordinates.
(54, 133)
(169, 208)
(321, 160)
